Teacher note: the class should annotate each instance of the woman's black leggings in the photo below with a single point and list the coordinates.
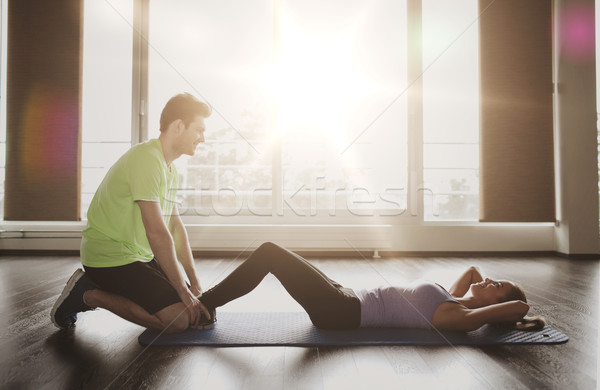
(328, 304)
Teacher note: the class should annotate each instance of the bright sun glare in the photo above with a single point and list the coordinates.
(316, 81)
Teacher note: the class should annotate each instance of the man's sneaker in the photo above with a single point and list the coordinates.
(205, 323)
(70, 302)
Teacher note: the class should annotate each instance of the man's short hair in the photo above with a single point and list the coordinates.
(185, 107)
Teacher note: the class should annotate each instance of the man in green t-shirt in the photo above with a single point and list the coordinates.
(134, 235)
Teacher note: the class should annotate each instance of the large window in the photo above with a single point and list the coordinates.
(299, 90)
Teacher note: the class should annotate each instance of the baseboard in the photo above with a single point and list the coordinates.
(469, 254)
(39, 252)
(579, 256)
(199, 254)
(369, 253)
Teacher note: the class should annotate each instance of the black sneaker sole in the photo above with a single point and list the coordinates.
(65, 293)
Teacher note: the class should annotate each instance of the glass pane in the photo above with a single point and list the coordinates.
(221, 52)
(342, 112)
(456, 207)
(97, 158)
(102, 155)
(451, 71)
(452, 180)
(107, 64)
(106, 90)
(94, 177)
(451, 106)
(451, 194)
(449, 156)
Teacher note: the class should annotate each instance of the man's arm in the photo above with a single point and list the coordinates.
(183, 250)
(163, 247)
(464, 282)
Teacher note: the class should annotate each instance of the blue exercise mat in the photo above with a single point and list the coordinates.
(295, 329)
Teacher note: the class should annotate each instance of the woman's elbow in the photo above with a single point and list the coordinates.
(522, 309)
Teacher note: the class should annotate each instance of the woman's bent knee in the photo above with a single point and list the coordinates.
(267, 251)
(268, 247)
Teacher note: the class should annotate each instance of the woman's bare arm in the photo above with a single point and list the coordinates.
(511, 311)
(463, 283)
(455, 317)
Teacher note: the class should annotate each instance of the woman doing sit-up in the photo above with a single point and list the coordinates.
(470, 303)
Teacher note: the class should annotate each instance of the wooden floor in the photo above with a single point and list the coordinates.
(102, 351)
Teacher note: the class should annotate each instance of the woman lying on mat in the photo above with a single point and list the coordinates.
(420, 305)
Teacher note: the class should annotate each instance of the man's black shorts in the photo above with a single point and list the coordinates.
(143, 283)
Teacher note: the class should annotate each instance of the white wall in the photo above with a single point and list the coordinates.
(576, 135)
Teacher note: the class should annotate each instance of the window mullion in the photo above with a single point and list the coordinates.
(415, 108)
(276, 132)
(139, 90)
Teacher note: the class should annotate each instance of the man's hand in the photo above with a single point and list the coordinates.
(194, 307)
(196, 289)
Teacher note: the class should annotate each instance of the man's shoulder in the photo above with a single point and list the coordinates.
(146, 153)
(148, 148)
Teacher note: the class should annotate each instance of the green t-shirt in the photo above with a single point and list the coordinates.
(115, 234)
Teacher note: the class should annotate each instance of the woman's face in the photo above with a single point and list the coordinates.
(492, 291)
